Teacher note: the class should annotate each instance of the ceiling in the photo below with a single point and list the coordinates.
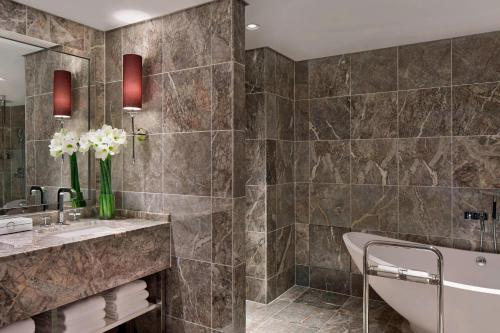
(109, 14)
(12, 70)
(306, 29)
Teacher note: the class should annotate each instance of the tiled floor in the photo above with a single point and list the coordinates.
(304, 310)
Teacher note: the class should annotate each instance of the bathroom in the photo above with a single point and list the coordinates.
(219, 166)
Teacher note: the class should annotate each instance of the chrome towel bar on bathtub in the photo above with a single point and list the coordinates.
(398, 273)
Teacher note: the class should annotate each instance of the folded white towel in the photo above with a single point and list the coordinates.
(117, 312)
(130, 298)
(88, 327)
(82, 322)
(23, 326)
(81, 309)
(126, 289)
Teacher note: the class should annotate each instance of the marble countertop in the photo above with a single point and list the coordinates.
(46, 237)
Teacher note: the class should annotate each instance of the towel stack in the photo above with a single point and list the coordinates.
(84, 316)
(127, 299)
(24, 326)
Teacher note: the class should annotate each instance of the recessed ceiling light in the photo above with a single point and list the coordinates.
(2, 79)
(131, 16)
(253, 26)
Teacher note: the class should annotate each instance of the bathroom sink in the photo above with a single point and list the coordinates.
(93, 231)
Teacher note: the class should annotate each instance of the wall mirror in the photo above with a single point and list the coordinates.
(27, 125)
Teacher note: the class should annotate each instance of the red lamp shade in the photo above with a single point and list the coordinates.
(132, 82)
(62, 94)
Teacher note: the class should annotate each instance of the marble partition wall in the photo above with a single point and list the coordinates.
(192, 164)
(398, 142)
(73, 38)
(270, 230)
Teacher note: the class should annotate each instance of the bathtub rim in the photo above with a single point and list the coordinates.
(447, 283)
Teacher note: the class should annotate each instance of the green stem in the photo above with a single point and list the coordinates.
(106, 197)
(78, 201)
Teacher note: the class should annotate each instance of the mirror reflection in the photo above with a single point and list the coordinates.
(29, 175)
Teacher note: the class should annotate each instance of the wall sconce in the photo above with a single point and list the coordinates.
(132, 93)
(62, 95)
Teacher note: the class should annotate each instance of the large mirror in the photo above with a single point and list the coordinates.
(27, 125)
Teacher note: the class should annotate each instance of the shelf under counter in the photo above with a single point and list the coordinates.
(110, 323)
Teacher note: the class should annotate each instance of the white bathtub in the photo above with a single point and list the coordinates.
(471, 293)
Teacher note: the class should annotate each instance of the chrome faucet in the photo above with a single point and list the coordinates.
(36, 188)
(482, 217)
(60, 202)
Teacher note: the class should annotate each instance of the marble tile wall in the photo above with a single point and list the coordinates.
(270, 229)
(399, 142)
(192, 165)
(73, 38)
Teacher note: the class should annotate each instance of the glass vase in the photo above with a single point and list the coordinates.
(78, 201)
(106, 196)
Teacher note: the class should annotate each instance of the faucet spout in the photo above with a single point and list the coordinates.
(36, 188)
(60, 202)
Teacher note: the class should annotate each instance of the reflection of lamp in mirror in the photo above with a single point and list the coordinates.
(132, 92)
(62, 95)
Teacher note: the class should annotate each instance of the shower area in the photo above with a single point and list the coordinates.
(12, 153)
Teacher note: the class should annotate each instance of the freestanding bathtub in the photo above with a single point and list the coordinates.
(471, 292)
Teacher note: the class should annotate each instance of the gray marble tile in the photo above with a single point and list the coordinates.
(284, 76)
(143, 202)
(254, 71)
(38, 24)
(305, 315)
(186, 166)
(302, 80)
(222, 231)
(271, 162)
(329, 76)
(374, 208)
(427, 239)
(270, 65)
(256, 115)
(476, 162)
(239, 115)
(301, 120)
(221, 35)
(425, 65)
(374, 71)
(327, 250)
(191, 226)
(374, 162)
(46, 63)
(425, 162)
(238, 28)
(238, 232)
(285, 123)
(285, 249)
(187, 39)
(302, 275)
(271, 264)
(302, 203)
(113, 105)
(255, 292)
(222, 164)
(13, 16)
(256, 161)
(271, 124)
(222, 298)
(292, 294)
(113, 55)
(51, 174)
(258, 313)
(475, 109)
(330, 279)
(284, 162)
(285, 280)
(330, 205)
(67, 33)
(374, 116)
(424, 113)
(187, 102)
(143, 175)
(223, 116)
(188, 295)
(278, 326)
(475, 58)
(425, 211)
(256, 208)
(45, 125)
(330, 119)
(301, 161)
(285, 205)
(256, 256)
(145, 39)
(329, 162)
(175, 325)
(301, 244)
(322, 299)
(271, 207)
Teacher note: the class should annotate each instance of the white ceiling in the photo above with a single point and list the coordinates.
(12, 70)
(305, 29)
(101, 14)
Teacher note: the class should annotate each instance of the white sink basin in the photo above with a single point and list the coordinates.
(93, 231)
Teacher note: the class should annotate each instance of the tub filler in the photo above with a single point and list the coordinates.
(471, 290)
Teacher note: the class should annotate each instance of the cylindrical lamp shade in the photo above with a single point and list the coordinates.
(62, 94)
(132, 82)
